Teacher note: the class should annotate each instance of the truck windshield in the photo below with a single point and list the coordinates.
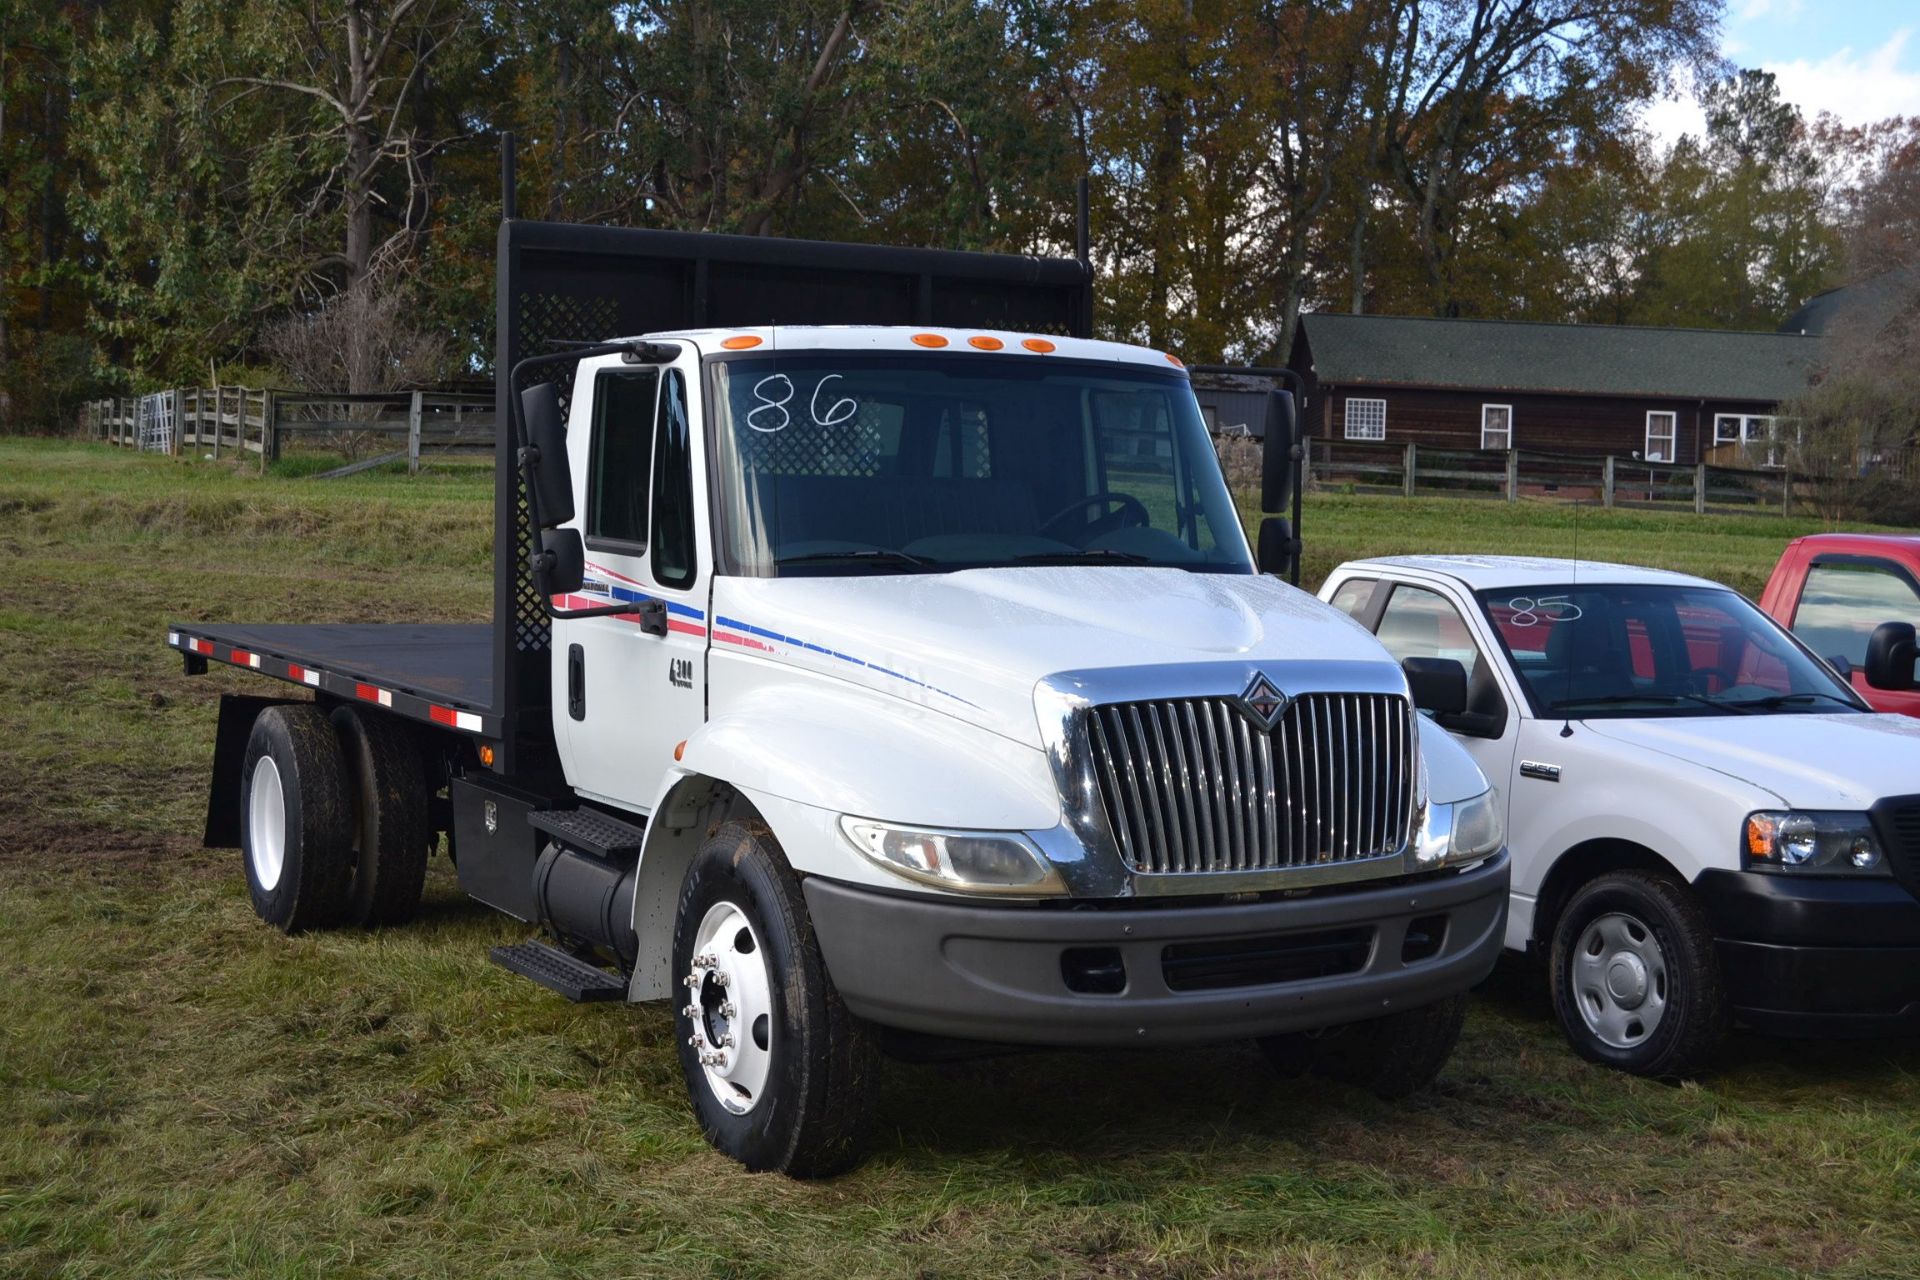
(835, 463)
(1639, 650)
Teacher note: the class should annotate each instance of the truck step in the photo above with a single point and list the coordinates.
(554, 969)
(590, 831)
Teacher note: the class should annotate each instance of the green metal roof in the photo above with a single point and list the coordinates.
(1570, 359)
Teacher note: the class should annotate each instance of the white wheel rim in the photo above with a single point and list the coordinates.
(1620, 980)
(267, 824)
(729, 1009)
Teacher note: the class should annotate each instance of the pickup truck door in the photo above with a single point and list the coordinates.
(1837, 604)
(628, 689)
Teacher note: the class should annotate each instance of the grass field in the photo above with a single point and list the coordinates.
(188, 1093)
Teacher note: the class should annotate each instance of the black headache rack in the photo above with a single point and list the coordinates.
(560, 284)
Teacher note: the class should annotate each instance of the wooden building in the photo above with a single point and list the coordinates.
(1665, 395)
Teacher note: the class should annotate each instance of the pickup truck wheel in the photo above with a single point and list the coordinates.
(1636, 984)
(1392, 1057)
(390, 818)
(296, 820)
(782, 1077)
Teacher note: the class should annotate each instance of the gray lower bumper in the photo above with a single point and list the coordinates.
(1000, 972)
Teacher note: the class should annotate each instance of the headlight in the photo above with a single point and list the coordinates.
(971, 861)
(1812, 842)
(1462, 831)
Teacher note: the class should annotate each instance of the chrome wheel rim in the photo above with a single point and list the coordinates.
(729, 1009)
(266, 824)
(1620, 980)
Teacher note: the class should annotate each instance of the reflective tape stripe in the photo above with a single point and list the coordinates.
(454, 719)
(370, 693)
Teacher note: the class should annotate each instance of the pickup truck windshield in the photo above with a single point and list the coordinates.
(1593, 652)
(839, 463)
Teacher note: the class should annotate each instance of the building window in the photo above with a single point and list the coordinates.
(1496, 426)
(1366, 419)
(1751, 429)
(1660, 433)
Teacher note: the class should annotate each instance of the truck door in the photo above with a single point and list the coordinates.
(625, 694)
(1420, 622)
(1841, 600)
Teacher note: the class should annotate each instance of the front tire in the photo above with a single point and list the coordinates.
(1392, 1057)
(1636, 983)
(781, 1076)
(296, 819)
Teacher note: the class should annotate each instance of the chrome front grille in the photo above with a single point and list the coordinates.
(1193, 785)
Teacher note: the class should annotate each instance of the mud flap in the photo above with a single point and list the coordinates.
(237, 714)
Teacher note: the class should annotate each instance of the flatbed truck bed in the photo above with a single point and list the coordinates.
(437, 673)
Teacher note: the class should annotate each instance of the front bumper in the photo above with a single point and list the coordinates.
(1816, 956)
(1120, 973)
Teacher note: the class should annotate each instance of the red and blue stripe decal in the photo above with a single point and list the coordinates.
(603, 587)
(747, 636)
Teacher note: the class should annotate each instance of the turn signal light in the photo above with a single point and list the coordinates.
(928, 340)
(486, 756)
(741, 343)
(679, 749)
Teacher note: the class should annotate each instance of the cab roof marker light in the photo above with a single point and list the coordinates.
(928, 340)
(1039, 345)
(741, 342)
(1174, 360)
(983, 343)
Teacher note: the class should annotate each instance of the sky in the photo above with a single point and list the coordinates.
(1859, 59)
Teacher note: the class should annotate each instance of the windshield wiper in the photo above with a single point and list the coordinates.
(1657, 699)
(1783, 699)
(1084, 553)
(871, 555)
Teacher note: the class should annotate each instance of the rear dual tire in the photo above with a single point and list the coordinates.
(333, 819)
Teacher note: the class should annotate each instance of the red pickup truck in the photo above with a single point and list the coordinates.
(1834, 589)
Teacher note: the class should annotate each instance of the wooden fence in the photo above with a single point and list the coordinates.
(1409, 469)
(245, 421)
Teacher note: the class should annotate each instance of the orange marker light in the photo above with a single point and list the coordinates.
(928, 340)
(985, 343)
(486, 756)
(1037, 344)
(680, 749)
(1174, 360)
(740, 343)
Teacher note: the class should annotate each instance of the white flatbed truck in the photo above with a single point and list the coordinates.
(908, 685)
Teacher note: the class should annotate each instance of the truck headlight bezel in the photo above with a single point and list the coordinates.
(1461, 831)
(1812, 842)
(1004, 863)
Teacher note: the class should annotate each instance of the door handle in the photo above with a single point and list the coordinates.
(576, 682)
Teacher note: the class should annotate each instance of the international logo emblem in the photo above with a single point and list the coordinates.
(1262, 703)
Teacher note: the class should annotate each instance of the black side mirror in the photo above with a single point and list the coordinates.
(1276, 455)
(1841, 667)
(1890, 655)
(563, 561)
(1277, 546)
(1438, 685)
(549, 480)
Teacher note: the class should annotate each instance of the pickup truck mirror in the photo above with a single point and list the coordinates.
(1890, 655)
(1277, 548)
(548, 477)
(1841, 667)
(1439, 685)
(1276, 455)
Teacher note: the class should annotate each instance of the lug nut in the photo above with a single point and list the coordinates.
(691, 1011)
(691, 980)
(720, 978)
(726, 1041)
(727, 1010)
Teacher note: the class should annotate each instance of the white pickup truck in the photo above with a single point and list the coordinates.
(904, 684)
(1706, 822)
